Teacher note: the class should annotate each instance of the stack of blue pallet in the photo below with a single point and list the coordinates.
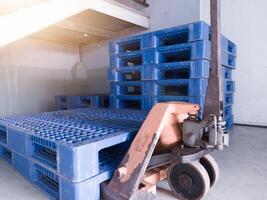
(168, 65)
(68, 154)
(66, 102)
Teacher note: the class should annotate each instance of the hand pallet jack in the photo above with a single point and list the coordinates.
(174, 143)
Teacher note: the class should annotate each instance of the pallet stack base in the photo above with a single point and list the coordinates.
(68, 154)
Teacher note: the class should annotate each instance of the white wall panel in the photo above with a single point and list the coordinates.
(32, 72)
(245, 23)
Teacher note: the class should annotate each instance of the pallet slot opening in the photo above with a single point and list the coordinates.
(231, 61)
(45, 155)
(130, 46)
(131, 104)
(174, 38)
(131, 90)
(174, 90)
(63, 99)
(7, 154)
(86, 103)
(179, 56)
(106, 102)
(110, 158)
(229, 99)
(229, 87)
(231, 47)
(47, 181)
(133, 61)
(227, 74)
(175, 74)
(131, 76)
(3, 136)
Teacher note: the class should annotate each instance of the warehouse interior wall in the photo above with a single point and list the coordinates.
(32, 72)
(176, 12)
(244, 23)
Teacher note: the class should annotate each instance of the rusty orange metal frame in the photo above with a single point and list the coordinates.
(159, 133)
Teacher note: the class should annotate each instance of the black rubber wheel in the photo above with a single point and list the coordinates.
(188, 181)
(211, 166)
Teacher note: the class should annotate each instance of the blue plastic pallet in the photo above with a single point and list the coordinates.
(61, 157)
(199, 50)
(166, 37)
(178, 70)
(167, 71)
(188, 33)
(65, 148)
(147, 102)
(87, 122)
(190, 51)
(92, 118)
(197, 100)
(180, 87)
(228, 99)
(84, 119)
(57, 187)
(81, 101)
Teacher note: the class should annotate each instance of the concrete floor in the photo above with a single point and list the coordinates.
(243, 172)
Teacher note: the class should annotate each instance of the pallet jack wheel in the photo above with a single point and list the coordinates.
(188, 181)
(211, 166)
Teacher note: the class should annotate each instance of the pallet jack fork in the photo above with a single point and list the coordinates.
(174, 143)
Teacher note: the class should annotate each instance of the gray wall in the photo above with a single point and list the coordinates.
(245, 23)
(32, 72)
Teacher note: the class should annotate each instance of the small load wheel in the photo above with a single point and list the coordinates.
(188, 181)
(211, 166)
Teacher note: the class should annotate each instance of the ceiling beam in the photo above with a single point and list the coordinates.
(29, 20)
(120, 11)
(43, 35)
(83, 28)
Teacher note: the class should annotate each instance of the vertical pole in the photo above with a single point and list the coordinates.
(215, 94)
